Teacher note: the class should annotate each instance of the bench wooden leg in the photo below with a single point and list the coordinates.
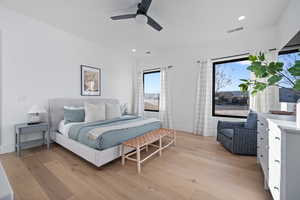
(160, 146)
(174, 138)
(147, 148)
(138, 159)
(123, 155)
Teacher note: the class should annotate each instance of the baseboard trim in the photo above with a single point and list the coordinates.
(7, 148)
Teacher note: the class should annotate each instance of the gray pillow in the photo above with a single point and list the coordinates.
(73, 114)
(251, 120)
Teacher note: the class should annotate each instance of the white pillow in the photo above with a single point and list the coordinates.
(94, 112)
(113, 111)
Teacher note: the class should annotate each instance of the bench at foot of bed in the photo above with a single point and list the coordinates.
(142, 142)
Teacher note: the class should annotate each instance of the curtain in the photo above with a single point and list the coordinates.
(269, 98)
(165, 110)
(138, 85)
(203, 105)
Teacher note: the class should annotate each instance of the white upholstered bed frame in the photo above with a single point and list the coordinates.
(56, 114)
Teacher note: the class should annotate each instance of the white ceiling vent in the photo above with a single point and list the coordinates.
(235, 30)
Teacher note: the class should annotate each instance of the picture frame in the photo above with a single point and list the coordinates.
(90, 81)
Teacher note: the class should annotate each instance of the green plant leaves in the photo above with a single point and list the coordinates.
(274, 67)
(297, 85)
(272, 72)
(295, 70)
(274, 79)
(252, 58)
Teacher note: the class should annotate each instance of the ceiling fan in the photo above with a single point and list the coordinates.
(141, 13)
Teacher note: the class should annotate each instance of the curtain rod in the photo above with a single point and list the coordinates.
(238, 55)
(156, 69)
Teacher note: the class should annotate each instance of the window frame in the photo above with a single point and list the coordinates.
(145, 73)
(288, 51)
(214, 87)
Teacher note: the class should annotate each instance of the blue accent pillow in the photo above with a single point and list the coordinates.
(74, 114)
(251, 120)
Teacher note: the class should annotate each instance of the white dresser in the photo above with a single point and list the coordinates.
(278, 153)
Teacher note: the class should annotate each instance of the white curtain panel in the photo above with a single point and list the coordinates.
(203, 122)
(138, 105)
(165, 110)
(269, 98)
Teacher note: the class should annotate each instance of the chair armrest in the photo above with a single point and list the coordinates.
(230, 125)
(245, 133)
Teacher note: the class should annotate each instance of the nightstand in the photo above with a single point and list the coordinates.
(23, 129)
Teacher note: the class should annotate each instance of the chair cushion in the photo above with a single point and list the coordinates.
(251, 120)
(227, 132)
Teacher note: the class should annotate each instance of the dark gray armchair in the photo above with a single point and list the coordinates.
(239, 137)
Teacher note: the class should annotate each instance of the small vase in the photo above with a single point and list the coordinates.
(298, 114)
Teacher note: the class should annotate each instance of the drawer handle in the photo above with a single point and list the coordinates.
(277, 138)
(261, 124)
(261, 138)
(277, 161)
(267, 129)
(261, 156)
(276, 188)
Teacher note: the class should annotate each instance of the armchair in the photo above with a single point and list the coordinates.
(239, 137)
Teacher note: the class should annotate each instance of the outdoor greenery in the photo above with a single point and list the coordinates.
(270, 74)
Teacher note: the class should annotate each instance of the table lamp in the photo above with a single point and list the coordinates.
(34, 114)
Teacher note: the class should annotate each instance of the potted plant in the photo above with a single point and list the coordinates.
(272, 74)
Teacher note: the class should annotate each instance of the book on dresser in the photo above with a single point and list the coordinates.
(278, 148)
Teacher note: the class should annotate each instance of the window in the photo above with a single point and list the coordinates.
(288, 58)
(228, 100)
(151, 91)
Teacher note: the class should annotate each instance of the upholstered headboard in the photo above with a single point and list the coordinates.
(56, 108)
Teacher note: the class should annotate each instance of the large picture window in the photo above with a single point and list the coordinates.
(288, 58)
(228, 100)
(151, 91)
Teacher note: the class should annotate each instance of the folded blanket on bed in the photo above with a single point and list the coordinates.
(104, 134)
(96, 132)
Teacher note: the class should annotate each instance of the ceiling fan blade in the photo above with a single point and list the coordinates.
(120, 17)
(144, 6)
(154, 24)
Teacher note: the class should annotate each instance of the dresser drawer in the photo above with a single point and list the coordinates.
(275, 176)
(275, 145)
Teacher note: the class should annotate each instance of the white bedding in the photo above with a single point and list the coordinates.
(64, 128)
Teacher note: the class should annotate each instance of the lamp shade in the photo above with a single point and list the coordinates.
(36, 109)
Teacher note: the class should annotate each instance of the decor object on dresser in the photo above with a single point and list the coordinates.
(90, 81)
(278, 142)
(142, 142)
(34, 114)
(22, 129)
(239, 137)
(6, 193)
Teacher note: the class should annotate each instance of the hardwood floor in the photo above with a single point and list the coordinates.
(196, 168)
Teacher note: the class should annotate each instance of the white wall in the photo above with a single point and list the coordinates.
(42, 62)
(289, 23)
(183, 76)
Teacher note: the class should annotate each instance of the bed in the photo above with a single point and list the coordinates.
(97, 142)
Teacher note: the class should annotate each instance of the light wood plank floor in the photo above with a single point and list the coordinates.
(197, 168)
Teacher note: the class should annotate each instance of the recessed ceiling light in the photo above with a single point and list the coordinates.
(241, 18)
(148, 52)
(133, 50)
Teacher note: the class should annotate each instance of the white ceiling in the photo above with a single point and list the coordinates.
(189, 22)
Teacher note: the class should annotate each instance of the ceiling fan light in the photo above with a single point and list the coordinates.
(141, 19)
